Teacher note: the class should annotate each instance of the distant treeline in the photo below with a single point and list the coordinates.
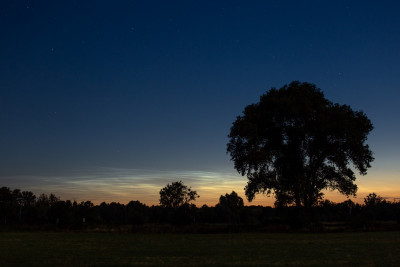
(24, 209)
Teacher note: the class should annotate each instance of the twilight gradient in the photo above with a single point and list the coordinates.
(110, 101)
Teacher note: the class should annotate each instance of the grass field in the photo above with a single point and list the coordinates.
(240, 249)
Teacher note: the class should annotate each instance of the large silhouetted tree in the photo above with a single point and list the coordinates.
(294, 143)
(176, 194)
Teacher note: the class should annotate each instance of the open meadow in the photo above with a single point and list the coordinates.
(238, 249)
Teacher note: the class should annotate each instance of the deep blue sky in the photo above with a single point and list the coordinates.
(111, 100)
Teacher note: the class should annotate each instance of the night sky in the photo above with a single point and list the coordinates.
(112, 100)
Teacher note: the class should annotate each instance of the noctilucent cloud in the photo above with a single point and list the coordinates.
(110, 101)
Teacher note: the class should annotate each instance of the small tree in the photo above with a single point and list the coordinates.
(137, 212)
(373, 200)
(375, 207)
(176, 195)
(231, 201)
(230, 206)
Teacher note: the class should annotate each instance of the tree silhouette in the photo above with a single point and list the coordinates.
(43, 204)
(6, 204)
(230, 206)
(136, 212)
(373, 200)
(231, 201)
(176, 194)
(294, 143)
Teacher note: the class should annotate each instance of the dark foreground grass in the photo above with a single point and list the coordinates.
(240, 249)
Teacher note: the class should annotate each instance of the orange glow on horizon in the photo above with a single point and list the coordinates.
(210, 186)
(212, 198)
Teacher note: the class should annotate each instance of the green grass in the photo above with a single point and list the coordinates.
(112, 249)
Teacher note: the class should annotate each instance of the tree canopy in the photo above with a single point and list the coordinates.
(294, 143)
(229, 207)
(176, 194)
(231, 201)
